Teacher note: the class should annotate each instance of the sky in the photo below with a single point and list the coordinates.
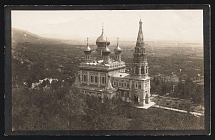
(163, 25)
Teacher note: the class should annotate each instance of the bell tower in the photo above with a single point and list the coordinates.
(140, 64)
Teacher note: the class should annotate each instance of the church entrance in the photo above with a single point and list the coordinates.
(135, 99)
(147, 98)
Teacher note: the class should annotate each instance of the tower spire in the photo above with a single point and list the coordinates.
(117, 41)
(102, 28)
(140, 35)
(87, 41)
(140, 65)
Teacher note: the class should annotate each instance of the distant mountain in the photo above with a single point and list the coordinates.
(22, 36)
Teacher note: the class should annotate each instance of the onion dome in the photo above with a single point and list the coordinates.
(106, 50)
(117, 49)
(87, 49)
(101, 40)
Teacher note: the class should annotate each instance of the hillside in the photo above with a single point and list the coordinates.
(39, 57)
(22, 36)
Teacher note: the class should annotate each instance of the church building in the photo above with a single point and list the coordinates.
(105, 77)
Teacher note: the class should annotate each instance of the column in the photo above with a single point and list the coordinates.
(146, 97)
(144, 69)
(144, 101)
(88, 77)
(143, 82)
(106, 79)
(149, 97)
(139, 70)
(128, 98)
(80, 77)
(130, 84)
(98, 79)
(147, 70)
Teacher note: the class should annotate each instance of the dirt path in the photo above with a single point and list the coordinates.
(178, 110)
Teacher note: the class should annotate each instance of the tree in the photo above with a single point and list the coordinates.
(179, 89)
(153, 86)
(158, 89)
(198, 97)
(188, 105)
(164, 89)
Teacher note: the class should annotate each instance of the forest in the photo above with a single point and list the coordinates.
(69, 109)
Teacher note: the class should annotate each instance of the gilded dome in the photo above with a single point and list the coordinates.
(101, 40)
(87, 49)
(117, 49)
(106, 49)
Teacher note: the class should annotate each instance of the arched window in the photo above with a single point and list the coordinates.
(142, 70)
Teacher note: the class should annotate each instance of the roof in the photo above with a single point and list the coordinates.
(102, 37)
(106, 50)
(117, 49)
(120, 74)
(88, 48)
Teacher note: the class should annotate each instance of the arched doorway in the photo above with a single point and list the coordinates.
(135, 99)
(147, 98)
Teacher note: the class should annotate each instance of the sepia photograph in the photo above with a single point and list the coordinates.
(108, 70)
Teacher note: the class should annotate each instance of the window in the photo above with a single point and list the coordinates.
(92, 79)
(125, 84)
(84, 78)
(114, 83)
(142, 70)
(139, 84)
(120, 84)
(103, 80)
(136, 85)
(96, 79)
(132, 84)
(128, 85)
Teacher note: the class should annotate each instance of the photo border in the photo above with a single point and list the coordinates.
(207, 72)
